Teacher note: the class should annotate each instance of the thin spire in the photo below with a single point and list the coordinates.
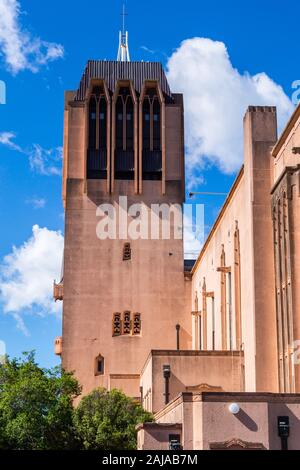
(123, 52)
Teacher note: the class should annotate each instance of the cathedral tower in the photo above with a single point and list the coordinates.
(124, 294)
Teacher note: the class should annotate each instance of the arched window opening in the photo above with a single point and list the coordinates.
(124, 150)
(152, 154)
(97, 135)
(99, 365)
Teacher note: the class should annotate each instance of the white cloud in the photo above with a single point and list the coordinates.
(45, 161)
(42, 161)
(19, 48)
(216, 96)
(27, 275)
(6, 138)
(146, 49)
(37, 202)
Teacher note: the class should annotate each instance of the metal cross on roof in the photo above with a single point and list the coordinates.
(123, 52)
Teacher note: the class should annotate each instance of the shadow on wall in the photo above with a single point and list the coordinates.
(247, 421)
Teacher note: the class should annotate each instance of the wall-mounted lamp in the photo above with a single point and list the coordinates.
(234, 408)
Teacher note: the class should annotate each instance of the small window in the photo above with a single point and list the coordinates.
(93, 116)
(147, 117)
(117, 324)
(126, 324)
(102, 116)
(127, 252)
(137, 325)
(99, 365)
(120, 117)
(129, 117)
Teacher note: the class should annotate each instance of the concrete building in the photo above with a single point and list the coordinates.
(186, 342)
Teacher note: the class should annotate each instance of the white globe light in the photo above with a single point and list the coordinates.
(234, 408)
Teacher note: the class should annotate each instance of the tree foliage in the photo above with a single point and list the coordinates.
(36, 410)
(107, 420)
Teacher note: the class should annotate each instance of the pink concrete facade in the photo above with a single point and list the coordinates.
(232, 324)
(221, 370)
(208, 424)
(243, 297)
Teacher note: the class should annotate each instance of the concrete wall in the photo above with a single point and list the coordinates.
(157, 437)
(207, 422)
(286, 226)
(248, 209)
(190, 368)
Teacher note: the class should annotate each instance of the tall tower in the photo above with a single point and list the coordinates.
(123, 295)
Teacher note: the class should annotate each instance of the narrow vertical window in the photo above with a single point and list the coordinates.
(152, 154)
(124, 145)
(137, 324)
(92, 122)
(129, 125)
(99, 365)
(146, 124)
(126, 323)
(102, 123)
(156, 125)
(117, 324)
(97, 135)
(119, 123)
(127, 252)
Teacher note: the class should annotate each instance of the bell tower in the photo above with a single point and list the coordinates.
(124, 294)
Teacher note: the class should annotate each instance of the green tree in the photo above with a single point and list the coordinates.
(106, 420)
(36, 410)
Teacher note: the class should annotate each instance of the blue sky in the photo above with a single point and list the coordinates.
(260, 37)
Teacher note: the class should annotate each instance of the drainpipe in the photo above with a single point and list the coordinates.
(230, 310)
(167, 374)
(213, 322)
(177, 336)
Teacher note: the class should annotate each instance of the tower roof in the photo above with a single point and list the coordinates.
(112, 71)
